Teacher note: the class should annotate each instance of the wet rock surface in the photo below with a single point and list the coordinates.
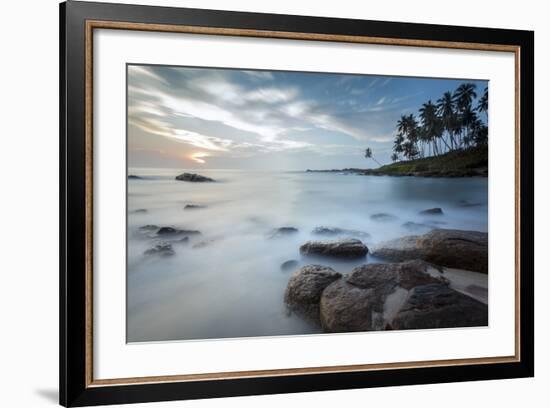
(451, 248)
(305, 286)
(347, 248)
(195, 178)
(336, 231)
(405, 295)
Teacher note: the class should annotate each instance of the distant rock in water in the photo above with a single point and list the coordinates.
(282, 231)
(290, 264)
(196, 178)
(432, 211)
(161, 249)
(139, 211)
(452, 248)
(348, 248)
(305, 287)
(335, 231)
(383, 217)
(134, 177)
(194, 207)
(171, 231)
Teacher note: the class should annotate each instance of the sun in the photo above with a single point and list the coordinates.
(199, 157)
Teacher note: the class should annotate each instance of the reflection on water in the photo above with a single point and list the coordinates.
(232, 284)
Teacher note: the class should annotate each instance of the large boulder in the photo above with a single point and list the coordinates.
(437, 306)
(368, 297)
(348, 248)
(305, 287)
(192, 177)
(452, 248)
(346, 308)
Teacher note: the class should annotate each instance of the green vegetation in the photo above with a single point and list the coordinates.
(456, 163)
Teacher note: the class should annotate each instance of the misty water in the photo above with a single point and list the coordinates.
(232, 284)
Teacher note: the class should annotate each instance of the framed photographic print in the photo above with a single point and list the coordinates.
(255, 203)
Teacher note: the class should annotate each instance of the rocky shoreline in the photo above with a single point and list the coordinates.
(475, 172)
(437, 279)
(412, 293)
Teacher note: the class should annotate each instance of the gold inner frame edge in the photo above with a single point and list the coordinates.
(101, 24)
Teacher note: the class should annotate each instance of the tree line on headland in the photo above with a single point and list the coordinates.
(452, 123)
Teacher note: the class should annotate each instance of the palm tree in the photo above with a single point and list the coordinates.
(483, 104)
(368, 155)
(464, 95)
(394, 157)
(446, 111)
(431, 125)
(468, 119)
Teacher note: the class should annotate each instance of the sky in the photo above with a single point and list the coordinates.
(193, 118)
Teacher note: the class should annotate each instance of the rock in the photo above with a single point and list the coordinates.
(139, 211)
(160, 249)
(348, 248)
(192, 177)
(183, 240)
(203, 244)
(194, 207)
(282, 231)
(466, 204)
(432, 211)
(345, 308)
(369, 297)
(305, 286)
(452, 248)
(437, 306)
(134, 177)
(149, 228)
(333, 231)
(383, 217)
(171, 231)
(290, 264)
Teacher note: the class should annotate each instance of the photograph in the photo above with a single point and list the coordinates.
(283, 203)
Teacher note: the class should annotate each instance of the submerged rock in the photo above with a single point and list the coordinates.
(383, 217)
(348, 248)
(139, 211)
(171, 231)
(192, 177)
(452, 248)
(432, 211)
(334, 231)
(134, 177)
(282, 231)
(194, 207)
(305, 286)
(290, 264)
(160, 249)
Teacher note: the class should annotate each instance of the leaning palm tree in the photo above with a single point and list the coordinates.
(368, 155)
(483, 104)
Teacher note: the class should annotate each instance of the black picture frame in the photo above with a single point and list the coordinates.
(75, 388)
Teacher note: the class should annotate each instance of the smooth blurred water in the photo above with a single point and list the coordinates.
(234, 286)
